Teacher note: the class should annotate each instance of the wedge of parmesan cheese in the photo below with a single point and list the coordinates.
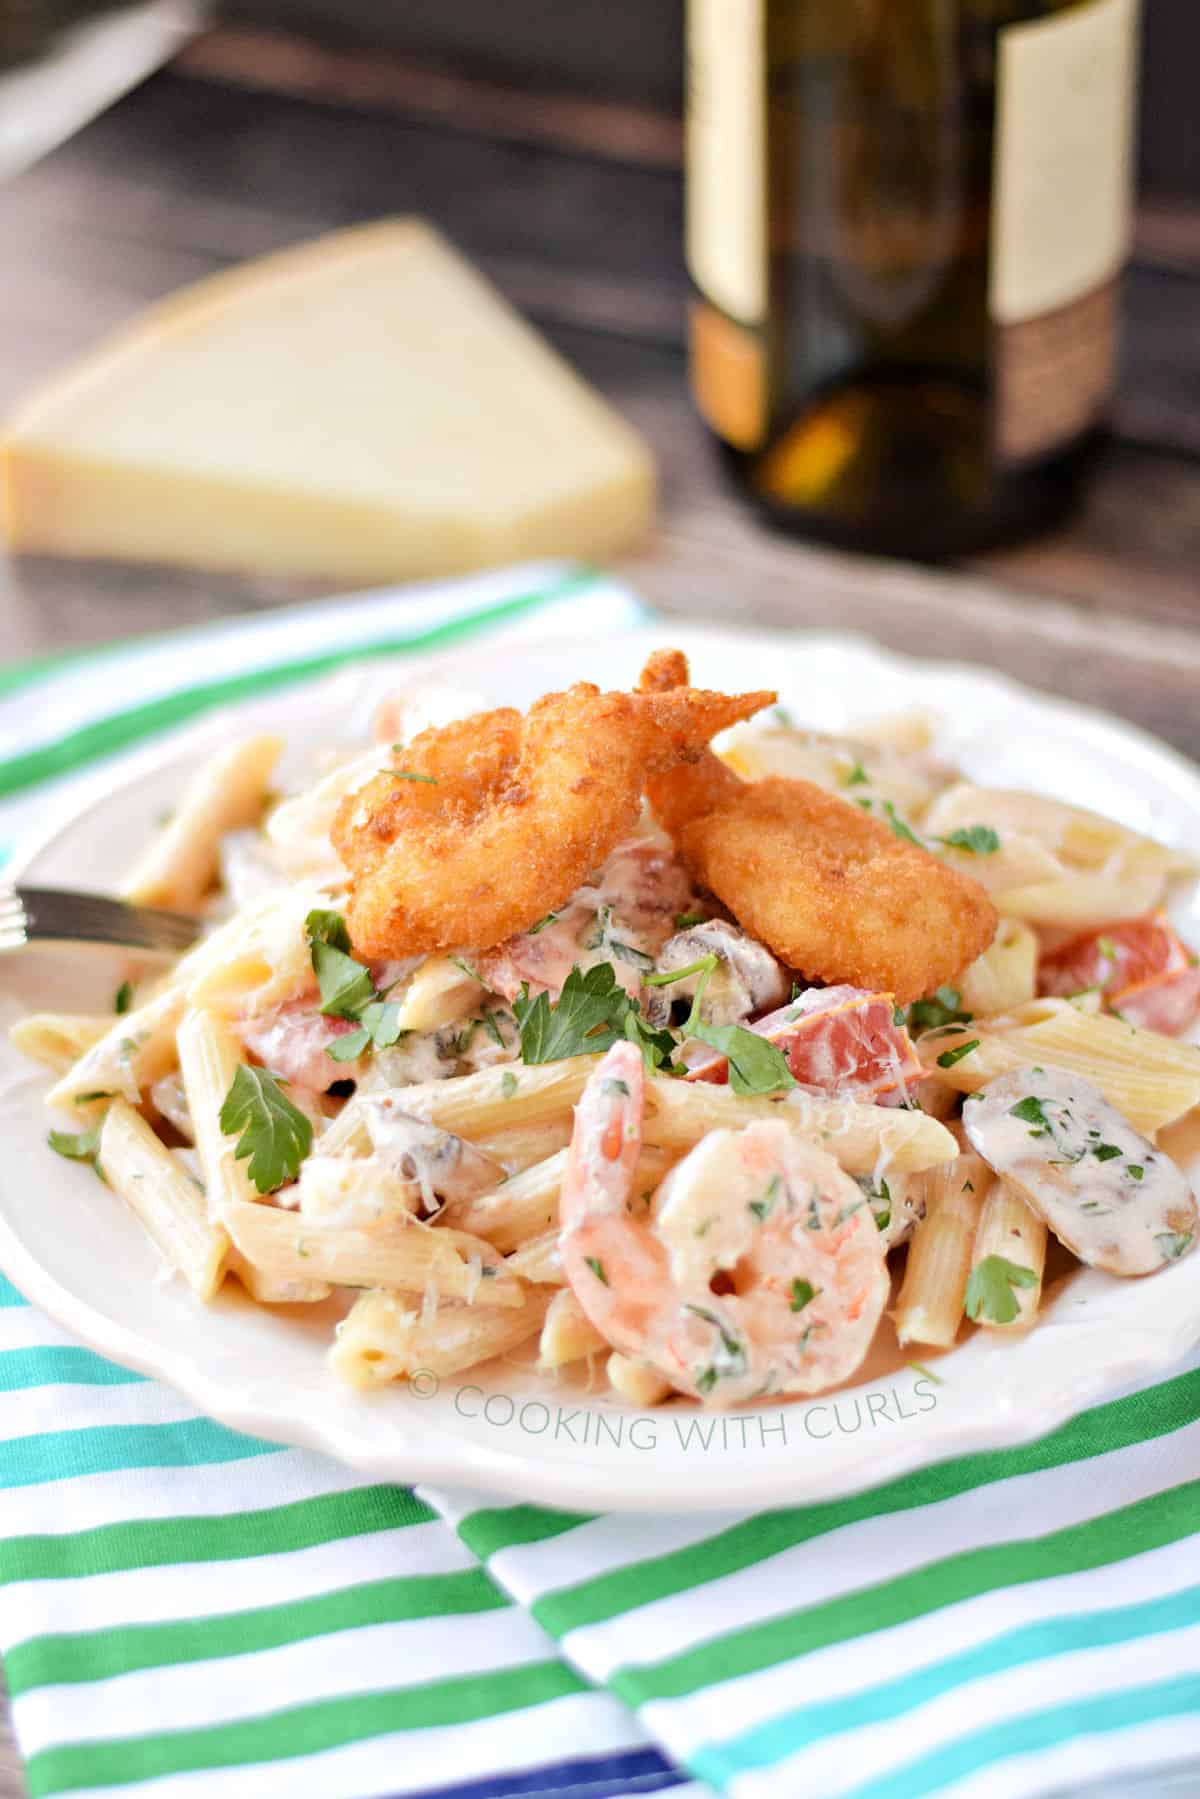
(361, 408)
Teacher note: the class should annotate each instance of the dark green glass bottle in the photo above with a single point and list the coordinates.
(906, 223)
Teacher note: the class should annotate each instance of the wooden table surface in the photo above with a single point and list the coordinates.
(573, 207)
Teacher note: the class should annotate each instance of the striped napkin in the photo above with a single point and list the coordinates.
(192, 1614)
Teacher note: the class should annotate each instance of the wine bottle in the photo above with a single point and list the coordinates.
(906, 222)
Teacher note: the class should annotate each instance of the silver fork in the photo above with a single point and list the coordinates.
(52, 914)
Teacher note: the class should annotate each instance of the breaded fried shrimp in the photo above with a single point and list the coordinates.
(835, 893)
(485, 825)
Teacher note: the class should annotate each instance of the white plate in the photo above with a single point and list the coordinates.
(72, 1248)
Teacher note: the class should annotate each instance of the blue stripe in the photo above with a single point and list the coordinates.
(594, 1777)
(1026, 1734)
(56, 1364)
(787, 1734)
(9, 1295)
(68, 1454)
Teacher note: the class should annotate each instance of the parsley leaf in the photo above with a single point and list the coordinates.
(685, 920)
(899, 828)
(589, 1016)
(1029, 1111)
(976, 840)
(990, 1293)
(755, 1065)
(1106, 1152)
(857, 776)
(346, 986)
(1173, 1244)
(274, 1134)
(931, 1013)
(597, 1268)
(78, 1146)
(949, 1057)
(802, 1292)
(124, 998)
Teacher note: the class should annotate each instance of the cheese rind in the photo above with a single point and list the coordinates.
(360, 408)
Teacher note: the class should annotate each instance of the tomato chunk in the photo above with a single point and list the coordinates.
(1141, 967)
(839, 1040)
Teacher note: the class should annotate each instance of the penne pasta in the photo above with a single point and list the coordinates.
(382, 1340)
(637, 1382)
(274, 1290)
(411, 1257)
(1008, 1228)
(1079, 901)
(209, 1059)
(438, 994)
(527, 1204)
(58, 1039)
(568, 1334)
(135, 1050)
(1151, 1080)
(862, 1138)
(168, 1202)
(1005, 975)
(227, 794)
(537, 1261)
(498, 1098)
(929, 1307)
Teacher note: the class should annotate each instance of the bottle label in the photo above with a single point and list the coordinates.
(1060, 220)
(725, 230)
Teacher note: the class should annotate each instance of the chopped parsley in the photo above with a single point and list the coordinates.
(857, 776)
(939, 1009)
(508, 1083)
(899, 828)
(348, 991)
(77, 1146)
(614, 1088)
(990, 1295)
(976, 840)
(1173, 1244)
(273, 1133)
(949, 1057)
(597, 1268)
(1107, 947)
(123, 999)
(1029, 1111)
(762, 1208)
(550, 918)
(802, 1292)
(407, 774)
(488, 1021)
(1135, 1171)
(1106, 1152)
(685, 920)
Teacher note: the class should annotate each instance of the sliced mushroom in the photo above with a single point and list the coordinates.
(748, 980)
(1105, 1191)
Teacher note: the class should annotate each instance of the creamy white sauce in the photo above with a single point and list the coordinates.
(1105, 1191)
(445, 1167)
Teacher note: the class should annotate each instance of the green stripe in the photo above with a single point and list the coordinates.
(1102, 1713)
(1153, 1413)
(168, 1542)
(1147, 1524)
(301, 1730)
(503, 1527)
(100, 1655)
(56, 1363)
(117, 731)
(67, 1454)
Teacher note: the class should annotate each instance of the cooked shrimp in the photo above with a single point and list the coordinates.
(485, 825)
(836, 894)
(755, 1268)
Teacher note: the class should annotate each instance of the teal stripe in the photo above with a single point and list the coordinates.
(57, 1363)
(776, 1738)
(1011, 1737)
(67, 1454)
(119, 730)
(9, 1295)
